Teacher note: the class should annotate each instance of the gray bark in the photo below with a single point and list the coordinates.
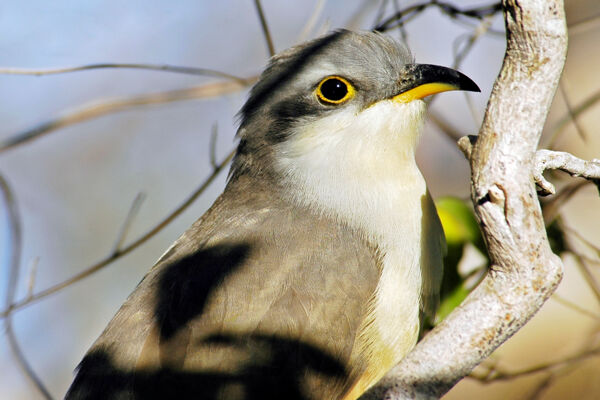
(524, 271)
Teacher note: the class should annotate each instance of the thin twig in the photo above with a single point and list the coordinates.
(15, 239)
(136, 204)
(380, 12)
(552, 206)
(556, 373)
(568, 118)
(469, 40)
(309, 26)
(581, 262)
(403, 16)
(582, 134)
(500, 375)
(590, 260)
(549, 380)
(116, 105)
(22, 360)
(444, 125)
(358, 15)
(400, 18)
(265, 28)
(32, 276)
(582, 239)
(125, 250)
(401, 28)
(214, 133)
(588, 276)
(574, 307)
(459, 56)
(153, 67)
(584, 25)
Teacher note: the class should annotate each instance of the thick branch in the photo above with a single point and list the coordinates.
(524, 271)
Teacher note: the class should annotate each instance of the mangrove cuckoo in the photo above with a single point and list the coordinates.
(310, 276)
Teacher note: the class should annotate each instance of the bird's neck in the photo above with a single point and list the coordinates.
(362, 173)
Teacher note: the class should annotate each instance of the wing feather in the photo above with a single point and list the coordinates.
(258, 299)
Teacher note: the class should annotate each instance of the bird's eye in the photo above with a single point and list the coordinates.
(334, 90)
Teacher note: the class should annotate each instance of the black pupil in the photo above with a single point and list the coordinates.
(334, 89)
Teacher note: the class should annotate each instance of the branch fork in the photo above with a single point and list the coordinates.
(545, 160)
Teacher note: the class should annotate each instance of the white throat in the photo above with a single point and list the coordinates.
(360, 169)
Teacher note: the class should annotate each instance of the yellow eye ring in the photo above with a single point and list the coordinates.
(335, 90)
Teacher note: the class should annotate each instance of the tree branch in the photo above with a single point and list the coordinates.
(547, 159)
(152, 67)
(524, 271)
(121, 104)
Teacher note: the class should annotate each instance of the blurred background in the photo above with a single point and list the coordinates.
(74, 186)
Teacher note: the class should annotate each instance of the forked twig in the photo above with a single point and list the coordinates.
(15, 239)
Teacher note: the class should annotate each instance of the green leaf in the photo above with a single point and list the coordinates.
(460, 228)
(459, 223)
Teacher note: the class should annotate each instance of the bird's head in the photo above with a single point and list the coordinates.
(346, 101)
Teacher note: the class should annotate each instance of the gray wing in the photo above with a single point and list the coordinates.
(433, 245)
(257, 300)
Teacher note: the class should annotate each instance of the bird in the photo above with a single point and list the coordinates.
(313, 273)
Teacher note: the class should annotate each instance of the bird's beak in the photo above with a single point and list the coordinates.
(425, 79)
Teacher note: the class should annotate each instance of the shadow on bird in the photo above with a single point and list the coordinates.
(275, 371)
